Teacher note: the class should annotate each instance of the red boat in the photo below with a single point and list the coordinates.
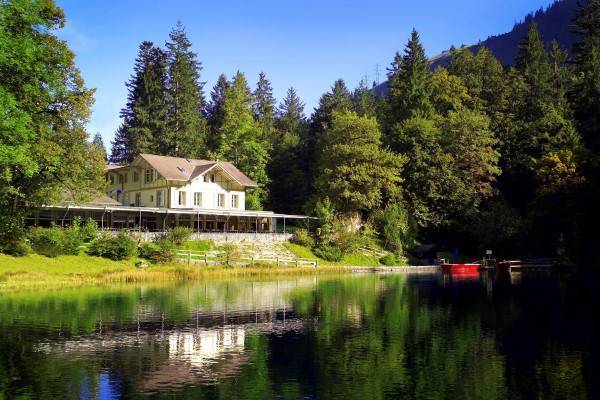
(468, 268)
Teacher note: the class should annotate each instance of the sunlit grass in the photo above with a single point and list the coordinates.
(34, 271)
(352, 259)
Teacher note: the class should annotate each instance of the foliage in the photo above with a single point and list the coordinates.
(179, 235)
(303, 238)
(356, 173)
(55, 241)
(231, 253)
(389, 259)
(147, 249)
(89, 231)
(328, 252)
(44, 107)
(162, 251)
(119, 247)
(397, 230)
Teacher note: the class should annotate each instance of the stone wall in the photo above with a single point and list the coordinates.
(231, 237)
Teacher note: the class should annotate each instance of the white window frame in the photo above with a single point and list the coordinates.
(138, 199)
(235, 201)
(221, 200)
(159, 198)
(181, 198)
(198, 199)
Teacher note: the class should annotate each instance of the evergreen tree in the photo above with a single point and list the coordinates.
(290, 114)
(264, 107)
(186, 135)
(98, 143)
(409, 83)
(585, 94)
(288, 181)
(120, 152)
(241, 139)
(365, 101)
(214, 113)
(355, 173)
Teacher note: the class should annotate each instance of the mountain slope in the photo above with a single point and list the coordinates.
(554, 23)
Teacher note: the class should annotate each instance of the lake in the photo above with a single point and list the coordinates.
(422, 336)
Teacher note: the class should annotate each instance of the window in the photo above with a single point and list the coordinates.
(159, 197)
(198, 199)
(149, 177)
(235, 201)
(138, 199)
(181, 199)
(151, 198)
(212, 178)
(136, 176)
(221, 200)
(112, 179)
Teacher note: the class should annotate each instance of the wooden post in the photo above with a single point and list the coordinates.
(205, 259)
(189, 257)
(278, 261)
(296, 263)
(252, 260)
(316, 262)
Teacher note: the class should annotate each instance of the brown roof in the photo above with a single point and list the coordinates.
(184, 169)
(97, 199)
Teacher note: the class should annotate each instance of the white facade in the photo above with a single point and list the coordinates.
(140, 185)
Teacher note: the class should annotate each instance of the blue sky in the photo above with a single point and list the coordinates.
(305, 44)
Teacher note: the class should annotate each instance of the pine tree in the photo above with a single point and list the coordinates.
(290, 113)
(264, 107)
(214, 113)
(409, 82)
(120, 152)
(98, 143)
(186, 135)
(145, 112)
(288, 181)
(365, 102)
(241, 139)
(585, 94)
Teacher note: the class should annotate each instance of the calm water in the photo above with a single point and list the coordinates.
(526, 336)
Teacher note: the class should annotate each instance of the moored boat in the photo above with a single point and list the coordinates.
(458, 268)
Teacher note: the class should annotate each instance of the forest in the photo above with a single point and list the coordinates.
(472, 155)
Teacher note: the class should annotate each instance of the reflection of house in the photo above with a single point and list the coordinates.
(206, 346)
(156, 192)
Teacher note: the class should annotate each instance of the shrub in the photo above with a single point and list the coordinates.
(389, 260)
(55, 241)
(146, 250)
(396, 228)
(347, 241)
(179, 234)
(89, 231)
(16, 247)
(230, 253)
(328, 252)
(118, 247)
(164, 251)
(303, 238)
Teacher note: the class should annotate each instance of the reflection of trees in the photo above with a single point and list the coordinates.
(362, 337)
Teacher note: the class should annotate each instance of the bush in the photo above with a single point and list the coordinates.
(118, 247)
(55, 241)
(328, 252)
(146, 250)
(230, 253)
(346, 241)
(398, 231)
(16, 247)
(89, 231)
(303, 238)
(389, 260)
(179, 235)
(163, 251)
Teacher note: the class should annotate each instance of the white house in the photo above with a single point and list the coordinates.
(156, 192)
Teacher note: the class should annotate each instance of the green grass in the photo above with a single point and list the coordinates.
(352, 259)
(198, 245)
(39, 272)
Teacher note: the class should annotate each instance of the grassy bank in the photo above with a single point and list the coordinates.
(352, 259)
(35, 271)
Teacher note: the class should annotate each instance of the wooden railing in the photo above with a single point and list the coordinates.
(222, 257)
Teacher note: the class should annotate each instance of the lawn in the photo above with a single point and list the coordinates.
(34, 271)
(352, 259)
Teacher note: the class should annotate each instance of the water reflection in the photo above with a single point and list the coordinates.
(506, 335)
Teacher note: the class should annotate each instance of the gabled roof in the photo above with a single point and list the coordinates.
(183, 169)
